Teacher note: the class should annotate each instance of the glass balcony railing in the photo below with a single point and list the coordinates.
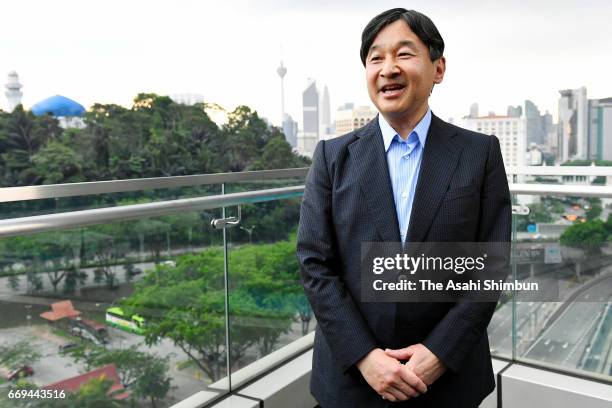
(565, 243)
(162, 305)
(144, 293)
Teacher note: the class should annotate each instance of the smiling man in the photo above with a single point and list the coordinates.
(406, 176)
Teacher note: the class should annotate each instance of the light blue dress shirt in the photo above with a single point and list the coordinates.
(404, 161)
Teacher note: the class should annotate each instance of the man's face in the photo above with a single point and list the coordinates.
(399, 72)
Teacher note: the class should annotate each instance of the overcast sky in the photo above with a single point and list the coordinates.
(498, 52)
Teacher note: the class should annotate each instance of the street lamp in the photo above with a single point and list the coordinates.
(250, 232)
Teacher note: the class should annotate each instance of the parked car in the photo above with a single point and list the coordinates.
(86, 335)
(23, 371)
(77, 331)
(68, 346)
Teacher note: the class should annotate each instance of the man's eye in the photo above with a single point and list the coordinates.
(405, 54)
(375, 59)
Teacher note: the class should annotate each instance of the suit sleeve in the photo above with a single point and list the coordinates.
(454, 337)
(338, 317)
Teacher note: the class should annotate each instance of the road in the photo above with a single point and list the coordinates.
(6, 290)
(566, 342)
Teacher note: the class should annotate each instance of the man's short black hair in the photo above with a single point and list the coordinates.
(419, 23)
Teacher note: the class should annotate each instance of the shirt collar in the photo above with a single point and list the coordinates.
(420, 129)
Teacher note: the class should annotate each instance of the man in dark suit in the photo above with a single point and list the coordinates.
(406, 176)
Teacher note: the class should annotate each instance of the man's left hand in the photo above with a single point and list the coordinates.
(425, 364)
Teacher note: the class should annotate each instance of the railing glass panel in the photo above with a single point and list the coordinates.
(141, 299)
(565, 244)
(268, 308)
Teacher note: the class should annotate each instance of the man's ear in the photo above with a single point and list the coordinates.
(440, 69)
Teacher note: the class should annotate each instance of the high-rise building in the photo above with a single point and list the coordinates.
(534, 155)
(600, 129)
(13, 91)
(474, 110)
(573, 124)
(511, 132)
(282, 71)
(290, 129)
(310, 131)
(549, 130)
(326, 123)
(514, 111)
(535, 130)
(349, 118)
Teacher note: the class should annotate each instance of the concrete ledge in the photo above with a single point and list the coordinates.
(288, 386)
(235, 401)
(521, 386)
(524, 386)
(198, 399)
(491, 400)
(245, 374)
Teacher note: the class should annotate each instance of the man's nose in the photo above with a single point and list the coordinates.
(390, 68)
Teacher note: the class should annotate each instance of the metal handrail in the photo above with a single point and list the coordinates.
(561, 190)
(8, 194)
(560, 170)
(74, 219)
(26, 193)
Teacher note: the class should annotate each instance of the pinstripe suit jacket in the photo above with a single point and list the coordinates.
(461, 196)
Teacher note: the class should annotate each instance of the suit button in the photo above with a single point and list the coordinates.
(401, 278)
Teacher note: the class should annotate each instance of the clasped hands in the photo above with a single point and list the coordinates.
(395, 381)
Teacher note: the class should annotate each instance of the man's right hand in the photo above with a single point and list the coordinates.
(390, 378)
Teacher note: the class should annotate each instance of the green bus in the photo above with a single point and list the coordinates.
(116, 317)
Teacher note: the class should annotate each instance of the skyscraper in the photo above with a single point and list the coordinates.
(325, 112)
(310, 107)
(573, 124)
(474, 110)
(515, 111)
(290, 129)
(600, 129)
(13, 91)
(535, 129)
(282, 71)
(550, 134)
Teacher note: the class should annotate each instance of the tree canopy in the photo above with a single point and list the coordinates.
(155, 137)
(186, 303)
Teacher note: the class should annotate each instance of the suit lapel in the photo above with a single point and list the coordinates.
(439, 161)
(370, 160)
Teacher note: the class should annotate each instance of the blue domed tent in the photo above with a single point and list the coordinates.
(58, 106)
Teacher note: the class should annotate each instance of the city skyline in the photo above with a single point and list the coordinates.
(156, 47)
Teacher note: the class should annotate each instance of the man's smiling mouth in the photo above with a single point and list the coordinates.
(392, 89)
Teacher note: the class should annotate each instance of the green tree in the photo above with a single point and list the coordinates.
(18, 354)
(57, 163)
(595, 209)
(96, 393)
(21, 384)
(276, 154)
(59, 249)
(153, 383)
(146, 375)
(186, 303)
(588, 235)
(23, 134)
(100, 243)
